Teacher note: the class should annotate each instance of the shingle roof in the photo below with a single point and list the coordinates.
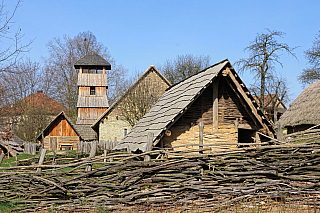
(305, 109)
(151, 68)
(93, 59)
(86, 132)
(168, 106)
(173, 103)
(93, 101)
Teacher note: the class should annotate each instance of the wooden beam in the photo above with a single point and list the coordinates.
(215, 105)
(201, 126)
(149, 145)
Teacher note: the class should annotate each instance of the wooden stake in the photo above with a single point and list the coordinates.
(280, 132)
(92, 154)
(1, 157)
(41, 159)
(215, 98)
(201, 126)
(149, 146)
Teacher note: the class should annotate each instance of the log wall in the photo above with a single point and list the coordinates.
(99, 91)
(186, 131)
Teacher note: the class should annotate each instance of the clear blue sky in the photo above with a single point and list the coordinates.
(141, 33)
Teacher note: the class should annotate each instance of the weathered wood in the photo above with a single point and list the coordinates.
(215, 105)
(201, 126)
(280, 132)
(91, 155)
(41, 159)
(149, 146)
(1, 157)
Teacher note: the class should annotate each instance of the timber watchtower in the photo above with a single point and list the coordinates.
(92, 87)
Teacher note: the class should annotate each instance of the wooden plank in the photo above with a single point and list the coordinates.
(201, 126)
(41, 159)
(215, 105)
(91, 155)
(149, 145)
(280, 132)
(1, 157)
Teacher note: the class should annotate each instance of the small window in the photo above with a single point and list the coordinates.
(92, 90)
(125, 132)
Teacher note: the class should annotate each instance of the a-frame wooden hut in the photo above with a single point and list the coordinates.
(217, 97)
(60, 134)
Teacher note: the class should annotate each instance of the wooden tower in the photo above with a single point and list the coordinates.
(92, 85)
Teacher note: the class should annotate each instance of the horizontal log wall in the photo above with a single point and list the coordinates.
(89, 115)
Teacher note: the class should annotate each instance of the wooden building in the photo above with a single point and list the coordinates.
(304, 111)
(117, 121)
(216, 97)
(92, 85)
(60, 134)
(269, 109)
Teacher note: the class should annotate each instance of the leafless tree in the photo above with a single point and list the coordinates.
(19, 107)
(183, 66)
(64, 52)
(313, 56)
(139, 99)
(10, 38)
(263, 55)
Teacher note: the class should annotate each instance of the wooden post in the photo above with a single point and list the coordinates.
(201, 126)
(215, 98)
(149, 146)
(280, 132)
(41, 159)
(236, 123)
(1, 157)
(16, 160)
(258, 140)
(92, 154)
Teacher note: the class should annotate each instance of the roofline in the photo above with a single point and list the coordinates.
(51, 122)
(94, 125)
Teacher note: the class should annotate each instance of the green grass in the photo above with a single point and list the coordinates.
(7, 206)
(12, 160)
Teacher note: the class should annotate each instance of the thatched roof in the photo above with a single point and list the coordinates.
(305, 109)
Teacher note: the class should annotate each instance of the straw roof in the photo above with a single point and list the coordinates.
(305, 109)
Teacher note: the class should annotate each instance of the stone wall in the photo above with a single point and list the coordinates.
(111, 127)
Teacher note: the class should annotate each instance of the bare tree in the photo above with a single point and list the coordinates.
(11, 46)
(313, 56)
(183, 67)
(140, 98)
(263, 55)
(20, 107)
(64, 52)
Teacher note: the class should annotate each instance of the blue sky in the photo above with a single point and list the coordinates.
(141, 33)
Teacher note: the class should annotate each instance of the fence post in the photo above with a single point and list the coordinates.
(280, 132)
(92, 154)
(149, 146)
(201, 137)
(41, 159)
(1, 157)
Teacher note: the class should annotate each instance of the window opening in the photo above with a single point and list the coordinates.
(92, 90)
(125, 132)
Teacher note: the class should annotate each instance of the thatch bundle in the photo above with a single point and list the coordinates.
(305, 109)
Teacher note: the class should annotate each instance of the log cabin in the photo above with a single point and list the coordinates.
(216, 97)
(117, 121)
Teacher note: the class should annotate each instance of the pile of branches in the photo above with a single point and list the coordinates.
(209, 179)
